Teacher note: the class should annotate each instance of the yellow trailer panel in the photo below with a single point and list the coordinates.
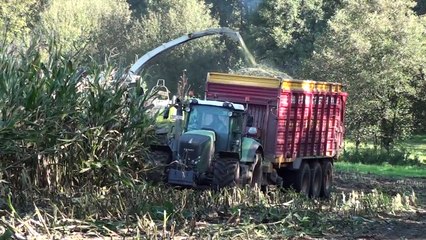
(268, 82)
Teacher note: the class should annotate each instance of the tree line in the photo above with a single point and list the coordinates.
(376, 48)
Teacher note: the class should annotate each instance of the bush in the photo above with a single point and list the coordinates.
(380, 156)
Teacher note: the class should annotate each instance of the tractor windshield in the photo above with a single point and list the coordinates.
(209, 118)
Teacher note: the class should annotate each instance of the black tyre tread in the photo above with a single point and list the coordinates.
(303, 172)
(316, 179)
(158, 161)
(226, 173)
(326, 192)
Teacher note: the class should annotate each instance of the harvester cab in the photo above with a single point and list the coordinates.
(159, 98)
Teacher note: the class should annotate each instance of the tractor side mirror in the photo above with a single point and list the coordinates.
(166, 113)
(252, 131)
(249, 121)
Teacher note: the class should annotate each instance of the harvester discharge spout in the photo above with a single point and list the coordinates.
(227, 32)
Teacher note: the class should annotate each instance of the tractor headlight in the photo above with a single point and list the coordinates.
(196, 161)
(236, 145)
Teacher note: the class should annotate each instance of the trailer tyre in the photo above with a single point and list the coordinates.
(316, 180)
(303, 179)
(226, 173)
(327, 179)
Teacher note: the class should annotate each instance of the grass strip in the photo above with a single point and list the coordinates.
(383, 170)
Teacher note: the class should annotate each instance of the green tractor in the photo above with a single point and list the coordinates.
(211, 147)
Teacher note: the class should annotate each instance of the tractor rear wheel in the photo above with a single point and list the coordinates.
(316, 180)
(327, 179)
(226, 173)
(302, 182)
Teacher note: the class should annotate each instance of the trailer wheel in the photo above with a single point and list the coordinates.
(316, 180)
(303, 179)
(226, 173)
(257, 177)
(327, 179)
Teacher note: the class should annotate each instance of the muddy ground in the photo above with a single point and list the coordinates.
(406, 225)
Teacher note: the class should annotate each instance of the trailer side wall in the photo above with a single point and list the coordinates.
(310, 124)
(296, 119)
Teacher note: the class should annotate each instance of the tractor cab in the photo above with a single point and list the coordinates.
(224, 119)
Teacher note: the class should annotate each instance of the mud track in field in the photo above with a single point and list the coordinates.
(407, 225)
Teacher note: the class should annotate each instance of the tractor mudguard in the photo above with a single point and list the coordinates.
(249, 148)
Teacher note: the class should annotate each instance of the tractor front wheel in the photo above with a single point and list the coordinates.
(226, 173)
(158, 161)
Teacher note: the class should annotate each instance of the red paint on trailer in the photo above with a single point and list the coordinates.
(306, 124)
(320, 124)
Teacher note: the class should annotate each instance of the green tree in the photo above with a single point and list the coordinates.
(229, 12)
(283, 31)
(375, 48)
(93, 25)
(110, 40)
(168, 19)
(137, 6)
(419, 101)
(232, 14)
(18, 18)
(420, 7)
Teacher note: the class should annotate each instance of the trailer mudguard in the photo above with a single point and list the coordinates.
(249, 148)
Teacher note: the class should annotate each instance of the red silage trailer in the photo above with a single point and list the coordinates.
(300, 124)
